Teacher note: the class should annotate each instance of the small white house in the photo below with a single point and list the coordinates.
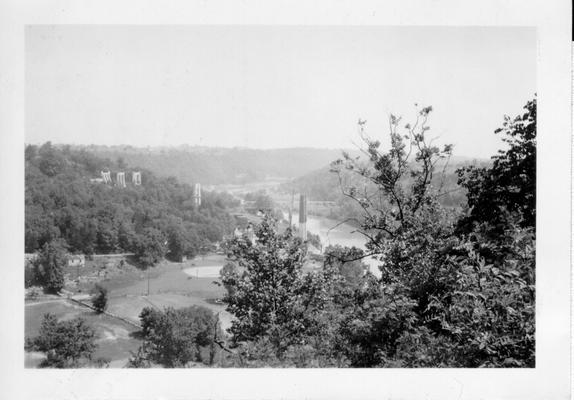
(76, 260)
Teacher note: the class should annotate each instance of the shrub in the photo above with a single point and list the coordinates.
(65, 343)
(175, 338)
(100, 298)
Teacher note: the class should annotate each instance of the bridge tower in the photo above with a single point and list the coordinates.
(137, 178)
(121, 179)
(291, 209)
(303, 216)
(106, 176)
(197, 194)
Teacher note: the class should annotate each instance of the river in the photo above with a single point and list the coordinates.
(332, 232)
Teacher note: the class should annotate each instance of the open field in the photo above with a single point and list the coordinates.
(169, 286)
(115, 338)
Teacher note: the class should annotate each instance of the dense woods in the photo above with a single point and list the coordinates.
(151, 220)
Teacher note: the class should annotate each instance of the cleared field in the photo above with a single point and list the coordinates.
(172, 288)
(169, 286)
(115, 338)
(170, 280)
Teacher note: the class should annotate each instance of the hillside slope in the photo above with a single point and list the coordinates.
(323, 185)
(64, 202)
(212, 166)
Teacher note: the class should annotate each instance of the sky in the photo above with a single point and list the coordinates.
(273, 86)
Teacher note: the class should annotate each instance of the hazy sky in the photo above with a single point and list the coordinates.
(272, 86)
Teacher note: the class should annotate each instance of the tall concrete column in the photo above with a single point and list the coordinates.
(303, 216)
(197, 194)
(137, 178)
(121, 179)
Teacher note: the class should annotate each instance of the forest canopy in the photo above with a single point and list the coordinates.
(63, 203)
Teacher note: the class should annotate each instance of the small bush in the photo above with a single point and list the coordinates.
(100, 298)
(65, 343)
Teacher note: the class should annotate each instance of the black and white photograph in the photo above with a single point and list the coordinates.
(280, 197)
(202, 198)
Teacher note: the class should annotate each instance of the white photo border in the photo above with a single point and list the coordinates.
(551, 377)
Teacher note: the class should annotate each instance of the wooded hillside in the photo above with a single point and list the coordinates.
(62, 203)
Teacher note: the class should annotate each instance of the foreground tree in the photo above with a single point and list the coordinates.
(509, 185)
(174, 338)
(67, 344)
(439, 301)
(270, 297)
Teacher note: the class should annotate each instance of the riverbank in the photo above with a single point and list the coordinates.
(332, 232)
